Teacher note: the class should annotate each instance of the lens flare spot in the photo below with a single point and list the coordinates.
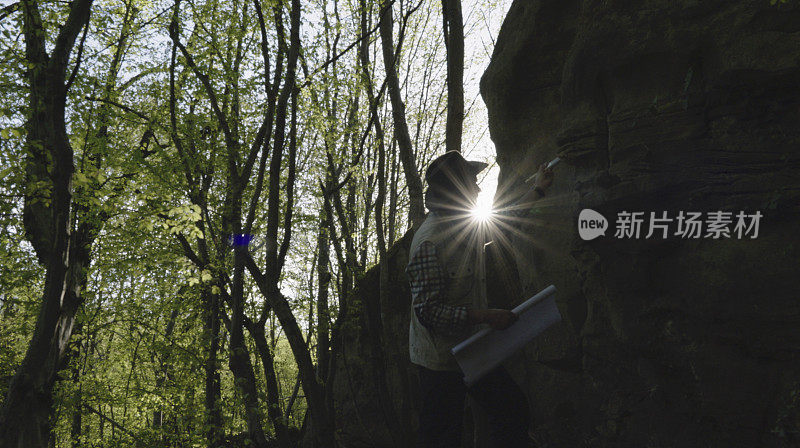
(482, 212)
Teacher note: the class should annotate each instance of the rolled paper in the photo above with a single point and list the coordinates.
(486, 349)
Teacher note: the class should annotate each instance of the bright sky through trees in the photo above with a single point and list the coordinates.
(481, 25)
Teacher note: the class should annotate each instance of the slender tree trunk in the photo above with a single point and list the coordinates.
(76, 426)
(295, 391)
(267, 281)
(211, 335)
(239, 361)
(324, 276)
(392, 194)
(372, 309)
(348, 279)
(232, 225)
(163, 373)
(323, 431)
(242, 369)
(273, 397)
(416, 205)
(454, 43)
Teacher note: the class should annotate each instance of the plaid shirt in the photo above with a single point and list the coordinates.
(427, 285)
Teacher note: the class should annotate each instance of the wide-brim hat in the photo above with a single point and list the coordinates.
(451, 164)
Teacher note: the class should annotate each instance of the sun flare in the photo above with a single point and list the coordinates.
(482, 212)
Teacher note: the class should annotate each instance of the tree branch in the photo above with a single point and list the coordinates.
(204, 80)
(115, 424)
(79, 57)
(78, 15)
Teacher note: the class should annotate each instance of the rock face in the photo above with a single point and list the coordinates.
(375, 386)
(374, 383)
(659, 106)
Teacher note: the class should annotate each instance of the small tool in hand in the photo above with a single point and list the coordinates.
(550, 165)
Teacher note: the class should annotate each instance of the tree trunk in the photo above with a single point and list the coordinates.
(315, 397)
(372, 310)
(211, 335)
(267, 281)
(26, 411)
(239, 361)
(392, 218)
(454, 43)
(273, 397)
(242, 369)
(416, 208)
(324, 276)
(76, 425)
(163, 373)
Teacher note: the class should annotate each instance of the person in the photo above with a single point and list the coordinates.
(447, 277)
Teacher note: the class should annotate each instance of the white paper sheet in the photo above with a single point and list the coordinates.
(486, 349)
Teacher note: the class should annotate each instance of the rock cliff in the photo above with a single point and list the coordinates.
(659, 106)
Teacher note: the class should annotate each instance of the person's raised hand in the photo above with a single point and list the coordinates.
(544, 177)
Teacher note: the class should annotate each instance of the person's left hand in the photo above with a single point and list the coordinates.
(544, 177)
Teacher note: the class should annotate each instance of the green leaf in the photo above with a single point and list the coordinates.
(80, 178)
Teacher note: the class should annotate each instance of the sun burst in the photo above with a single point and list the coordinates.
(482, 212)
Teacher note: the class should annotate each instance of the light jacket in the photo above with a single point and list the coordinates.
(459, 245)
